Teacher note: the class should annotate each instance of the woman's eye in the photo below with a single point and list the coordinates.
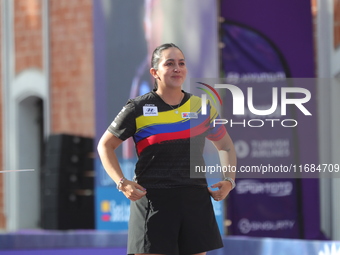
(182, 64)
(169, 64)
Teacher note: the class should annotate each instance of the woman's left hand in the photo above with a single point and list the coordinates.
(224, 187)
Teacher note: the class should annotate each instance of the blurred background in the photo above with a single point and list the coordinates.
(68, 66)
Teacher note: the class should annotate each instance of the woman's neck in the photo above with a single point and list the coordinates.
(171, 97)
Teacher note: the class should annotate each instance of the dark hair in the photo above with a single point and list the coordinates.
(157, 54)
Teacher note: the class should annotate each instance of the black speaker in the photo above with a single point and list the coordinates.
(68, 144)
(68, 209)
(67, 183)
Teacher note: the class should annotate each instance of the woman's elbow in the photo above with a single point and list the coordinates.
(108, 142)
(101, 146)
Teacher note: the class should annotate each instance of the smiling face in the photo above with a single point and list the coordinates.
(172, 70)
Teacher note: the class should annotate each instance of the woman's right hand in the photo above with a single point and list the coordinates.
(132, 190)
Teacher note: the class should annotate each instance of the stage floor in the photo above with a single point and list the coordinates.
(86, 242)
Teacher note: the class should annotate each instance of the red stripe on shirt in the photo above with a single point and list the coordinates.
(185, 134)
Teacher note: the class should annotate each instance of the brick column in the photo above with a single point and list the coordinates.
(28, 34)
(72, 91)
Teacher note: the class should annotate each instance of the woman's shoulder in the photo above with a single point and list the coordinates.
(151, 97)
(143, 98)
(192, 97)
(146, 96)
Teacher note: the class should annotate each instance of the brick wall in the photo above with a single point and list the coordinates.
(314, 7)
(71, 62)
(72, 67)
(314, 15)
(336, 23)
(336, 28)
(28, 34)
(2, 216)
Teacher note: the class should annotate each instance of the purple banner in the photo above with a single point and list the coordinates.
(264, 203)
(263, 45)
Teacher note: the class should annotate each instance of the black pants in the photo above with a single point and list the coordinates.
(173, 221)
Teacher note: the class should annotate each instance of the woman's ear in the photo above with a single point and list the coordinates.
(153, 72)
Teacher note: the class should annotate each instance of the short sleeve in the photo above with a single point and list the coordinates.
(124, 125)
(218, 131)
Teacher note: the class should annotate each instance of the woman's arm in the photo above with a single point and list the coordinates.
(227, 155)
(107, 145)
